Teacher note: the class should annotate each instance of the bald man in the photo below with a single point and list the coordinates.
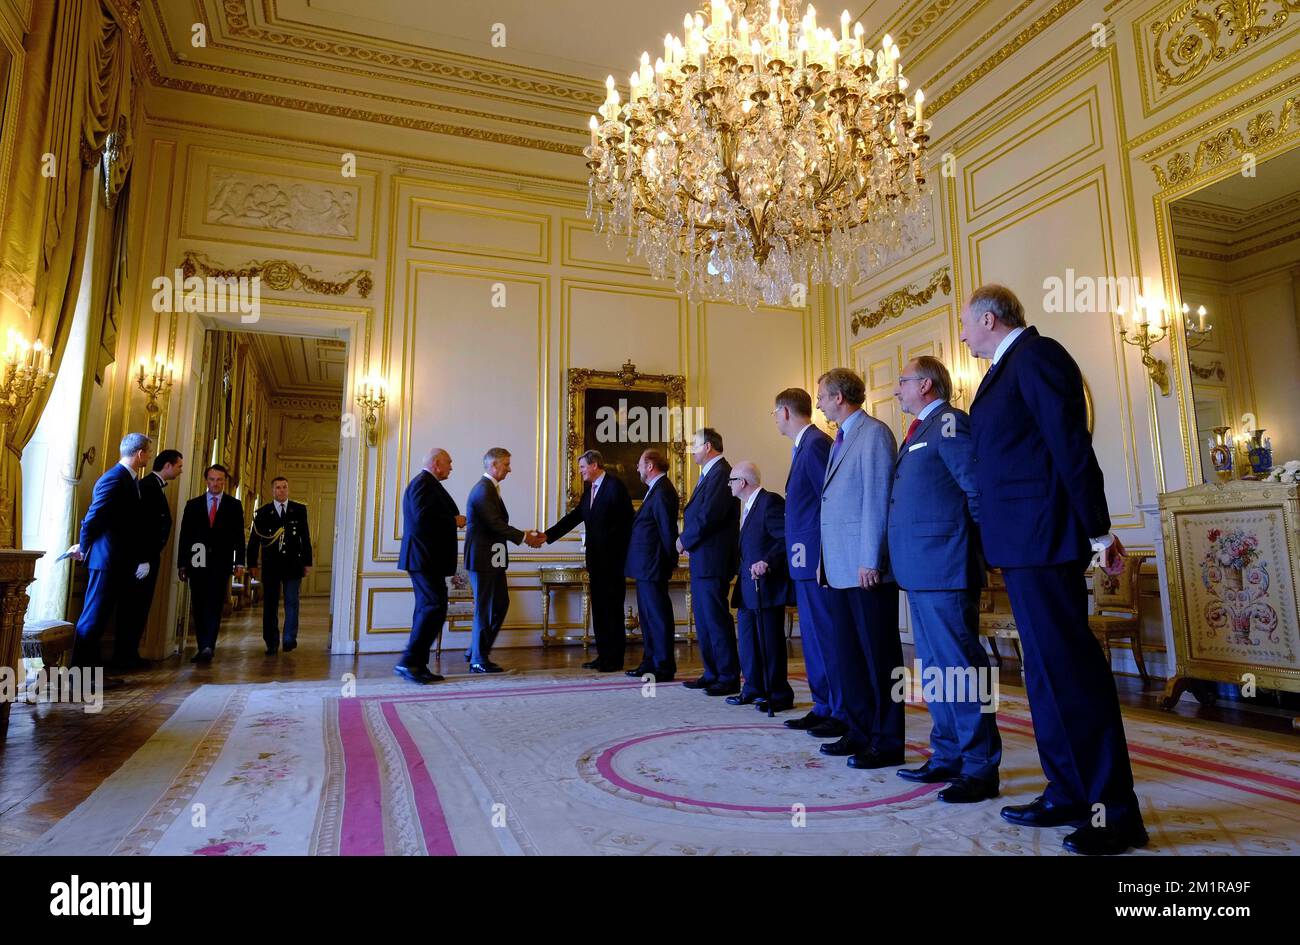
(430, 518)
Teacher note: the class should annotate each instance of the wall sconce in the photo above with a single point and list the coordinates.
(153, 384)
(1149, 327)
(1198, 332)
(371, 399)
(24, 373)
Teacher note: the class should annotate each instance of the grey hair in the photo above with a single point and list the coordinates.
(847, 384)
(999, 300)
(592, 458)
(492, 455)
(133, 443)
(933, 370)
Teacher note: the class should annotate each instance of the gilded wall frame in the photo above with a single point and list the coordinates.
(591, 394)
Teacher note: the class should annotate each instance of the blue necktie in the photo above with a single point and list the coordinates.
(839, 438)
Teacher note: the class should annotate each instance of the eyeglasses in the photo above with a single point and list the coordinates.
(911, 377)
(736, 479)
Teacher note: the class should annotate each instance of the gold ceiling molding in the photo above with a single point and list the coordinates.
(238, 24)
(1226, 218)
(279, 275)
(900, 300)
(924, 21)
(1241, 253)
(1194, 35)
(1261, 131)
(995, 28)
(1029, 33)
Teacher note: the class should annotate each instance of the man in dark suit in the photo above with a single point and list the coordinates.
(429, 522)
(110, 544)
(487, 530)
(156, 528)
(281, 539)
(819, 608)
(762, 592)
(710, 530)
(606, 509)
(210, 550)
(1042, 512)
(651, 558)
(934, 551)
(866, 649)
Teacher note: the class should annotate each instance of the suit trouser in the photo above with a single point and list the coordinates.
(209, 590)
(817, 605)
(130, 629)
(427, 620)
(491, 603)
(946, 633)
(655, 607)
(715, 629)
(1072, 697)
(107, 594)
(864, 654)
(608, 591)
(763, 661)
(272, 582)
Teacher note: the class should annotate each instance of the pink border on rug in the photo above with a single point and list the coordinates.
(437, 835)
(605, 765)
(362, 830)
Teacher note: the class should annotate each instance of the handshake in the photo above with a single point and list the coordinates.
(534, 538)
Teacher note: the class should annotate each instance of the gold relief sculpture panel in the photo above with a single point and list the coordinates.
(279, 275)
(900, 300)
(256, 200)
(1264, 132)
(1184, 47)
(447, 226)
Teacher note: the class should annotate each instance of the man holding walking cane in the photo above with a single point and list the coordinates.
(762, 592)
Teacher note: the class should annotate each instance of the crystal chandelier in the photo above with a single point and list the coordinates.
(755, 157)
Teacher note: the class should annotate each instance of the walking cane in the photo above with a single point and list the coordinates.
(762, 651)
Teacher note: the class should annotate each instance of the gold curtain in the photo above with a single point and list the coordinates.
(78, 89)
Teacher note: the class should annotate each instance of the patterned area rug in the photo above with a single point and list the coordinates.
(550, 763)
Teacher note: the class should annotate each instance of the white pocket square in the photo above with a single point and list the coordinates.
(916, 446)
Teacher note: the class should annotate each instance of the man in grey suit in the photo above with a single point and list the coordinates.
(487, 529)
(855, 564)
(934, 551)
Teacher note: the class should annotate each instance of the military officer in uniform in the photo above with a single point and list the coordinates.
(281, 538)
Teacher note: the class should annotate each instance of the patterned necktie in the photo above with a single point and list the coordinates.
(595, 487)
(212, 511)
(839, 438)
(911, 428)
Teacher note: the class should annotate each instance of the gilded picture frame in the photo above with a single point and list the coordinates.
(621, 414)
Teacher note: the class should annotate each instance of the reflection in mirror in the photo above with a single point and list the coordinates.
(1237, 250)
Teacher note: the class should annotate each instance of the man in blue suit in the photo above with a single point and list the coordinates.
(1042, 512)
(762, 593)
(934, 551)
(651, 558)
(865, 650)
(803, 507)
(487, 530)
(428, 554)
(606, 510)
(710, 528)
(111, 544)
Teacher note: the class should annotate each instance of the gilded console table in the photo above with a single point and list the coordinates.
(574, 578)
(1232, 571)
(17, 570)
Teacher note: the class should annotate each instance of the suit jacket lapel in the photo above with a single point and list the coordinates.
(844, 447)
(922, 430)
(991, 375)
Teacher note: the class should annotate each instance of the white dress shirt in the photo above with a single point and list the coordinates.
(1006, 342)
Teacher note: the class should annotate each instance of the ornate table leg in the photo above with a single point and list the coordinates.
(546, 617)
(17, 570)
(586, 617)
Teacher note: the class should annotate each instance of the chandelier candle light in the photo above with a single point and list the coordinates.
(759, 153)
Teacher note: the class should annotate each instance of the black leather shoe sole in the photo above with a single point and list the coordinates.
(740, 700)
(1097, 841)
(1036, 815)
(722, 690)
(870, 760)
(928, 775)
(806, 722)
(833, 728)
(761, 705)
(638, 672)
(696, 684)
(837, 749)
(967, 791)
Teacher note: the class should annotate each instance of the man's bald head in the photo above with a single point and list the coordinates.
(745, 478)
(437, 462)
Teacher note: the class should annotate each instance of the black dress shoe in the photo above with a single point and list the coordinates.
(723, 689)
(272, 650)
(490, 667)
(839, 748)
(1107, 841)
(640, 671)
(806, 722)
(1043, 813)
(494, 667)
(416, 674)
(969, 790)
(870, 759)
(928, 773)
(608, 668)
(202, 656)
(290, 645)
(781, 705)
(830, 728)
(741, 700)
(592, 664)
(700, 683)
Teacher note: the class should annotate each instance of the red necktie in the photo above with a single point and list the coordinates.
(212, 512)
(916, 422)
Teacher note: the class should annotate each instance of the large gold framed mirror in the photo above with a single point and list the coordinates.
(1236, 249)
(621, 414)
